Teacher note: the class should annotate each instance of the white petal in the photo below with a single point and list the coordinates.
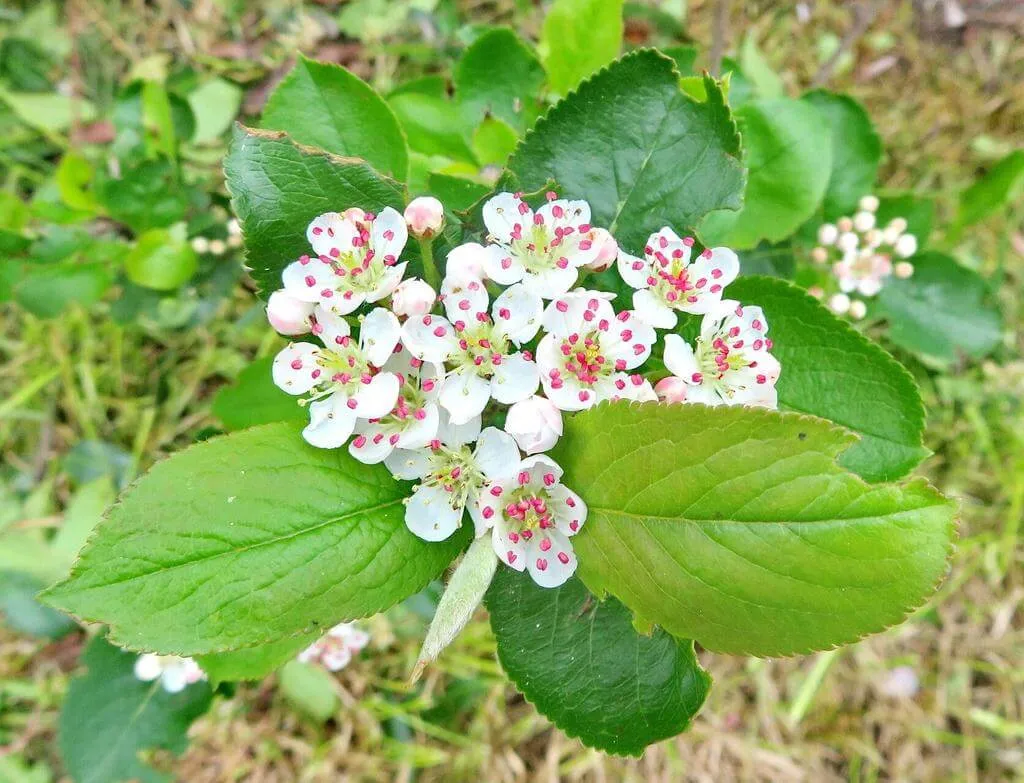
(578, 311)
(709, 275)
(512, 554)
(294, 366)
(429, 337)
(378, 397)
(653, 311)
(679, 358)
(148, 667)
(429, 514)
(331, 231)
(551, 282)
(480, 522)
(329, 327)
(566, 396)
(389, 282)
(496, 453)
(543, 471)
(550, 558)
(451, 434)
(463, 298)
(388, 235)
(664, 246)
(501, 266)
(409, 464)
(629, 340)
(379, 333)
(307, 279)
(464, 394)
(466, 262)
(372, 444)
(420, 432)
(514, 379)
(569, 510)
(502, 213)
(633, 270)
(518, 311)
(174, 679)
(331, 422)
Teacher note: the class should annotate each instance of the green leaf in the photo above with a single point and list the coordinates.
(254, 663)
(768, 259)
(918, 211)
(253, 399)
(767, 83)
(324, 105)
(80, 517)
(494, 142)
(856, 152)
(499, 76)
(788, 154)
(997, 188)
(160, 260)
(578, 38)
(23, 613)
(831, 370)
(943, 313)
(214, 104)
(736, 527)
(277, 188)
(46, 291)
(74, 177)
(47, 112)
(584, 666)
(145, 196)
(246, 539)
(456, 193)
(310, 689)
(640, 151)
(433, 124)
(109, 716)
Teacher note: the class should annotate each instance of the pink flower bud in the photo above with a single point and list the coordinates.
(425, 217)
(607, 250)
(466, 263)
(412, 297)
(671, 389)
(287, 314)
(535, 423)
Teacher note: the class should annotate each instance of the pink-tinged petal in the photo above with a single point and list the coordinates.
(653, 311)
(501, 215)
(502, 266)
(451, 434)
(542, 471)
(496, 454)
(388, 234)
(306, 280)
(464, 394)
(331, 422)
(371, 444)
(550, 558)
(329, 327)
(378, 397)
(429, 337)
(466, 262)
(570, 512)
(429, 514)
(329, 232)
(551, 282)
(511, 553)
(295, 368)
(336, 659)
(577, 312)
(379, 333)
(408, 464)
(388, 283)
(463, 298)
(515, 379)
(421, 430)
(287, 314)
(518, 312)
(680, 359)
(633, 270)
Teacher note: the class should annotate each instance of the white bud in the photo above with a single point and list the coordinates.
(816, 291)
(844, 224)
(412, 297)
(847, 241)
(671, 389)
(234, 228)
(287, 314)
(903, 270)
(234, 240)
(890, 236)
(899, 225)
(839, 304)
(535, 423)
(424, 216)
(828, 234)
(906, 246)
(218, 247)
(607, 249)
(864, 221)
(200, 244)
(466, 262)
(873, 238)
(858, 309)
(819, 255)
(869, 203)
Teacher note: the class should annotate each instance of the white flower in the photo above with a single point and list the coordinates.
(607, 249)
(466, 262)
(839, 304)
(588, 349)
(478, 348)
(828, 234)
(667, 281)
(451, 476)
(903, 270)
(413, 422)
(424, 216)
(731, 364)
(412, 297)
(288, 315)
(535, 423)
(863, 271)
(543, 249)
(343, 377)
(334, 650)
(532, 516)
(354, 260)
(175, 673)
(906, 246)
(847, 241)
(858, 309)
(869, 203)
(864, 221)
(200, 244)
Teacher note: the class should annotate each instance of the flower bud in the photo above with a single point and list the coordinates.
(839, 304)
(816, 291)
(218, 247)
(906, 246)
(200, 244)
(466, 262)
(869, 203)
(819, 255)
(425, 217)
(873, 238)
(607, 249)
(899, 225)
(234, 228)
(844, 224)
(903, 270)
(864, 221)
(412, 297)
(847, 241)
(858, 309)
(535, 423)
(828, 234)
(288, 315)
(671, 389)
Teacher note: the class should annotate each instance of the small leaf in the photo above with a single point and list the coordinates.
(578, 38)
(584, 666)
(80, 517)
(310, 689)
(214, 104)
(253, 399)
(998, 188)
(456, 193)
(788, 155)
(109, 717)
(499, 76)
(433, 124)
(918, 211)
(324, 105)
(161, 261)
(737, 528)
(830, 370)
(46, 291)
(254, 663)
(277, 188)
(247, 539)
(943, 313)
(21, 612)
(769, 260)
(767, 83)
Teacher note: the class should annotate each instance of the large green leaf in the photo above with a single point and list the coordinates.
(944, 312)
(736, 527)
(254, 663)
(253, 399)
(789, 156)
(324, 105)
(581, 662)
(500, 76)
(831, 370)
(109, 716)
(277, 188)
(578, 37)
(640, 151)
(999, 187)
(246, 539)
(856, 152)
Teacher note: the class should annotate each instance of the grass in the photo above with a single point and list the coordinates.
(943, 107)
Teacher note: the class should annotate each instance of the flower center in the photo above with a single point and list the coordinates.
(481, 346)
(670, 280)
(455, 471)
(342, 367)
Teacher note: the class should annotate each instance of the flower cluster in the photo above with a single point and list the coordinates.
(335, 649)
(174, 673)
(417, 378)
(862, 256)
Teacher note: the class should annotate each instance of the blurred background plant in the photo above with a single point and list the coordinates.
(125, 310)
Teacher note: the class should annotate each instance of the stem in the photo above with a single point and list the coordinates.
(430, 273)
